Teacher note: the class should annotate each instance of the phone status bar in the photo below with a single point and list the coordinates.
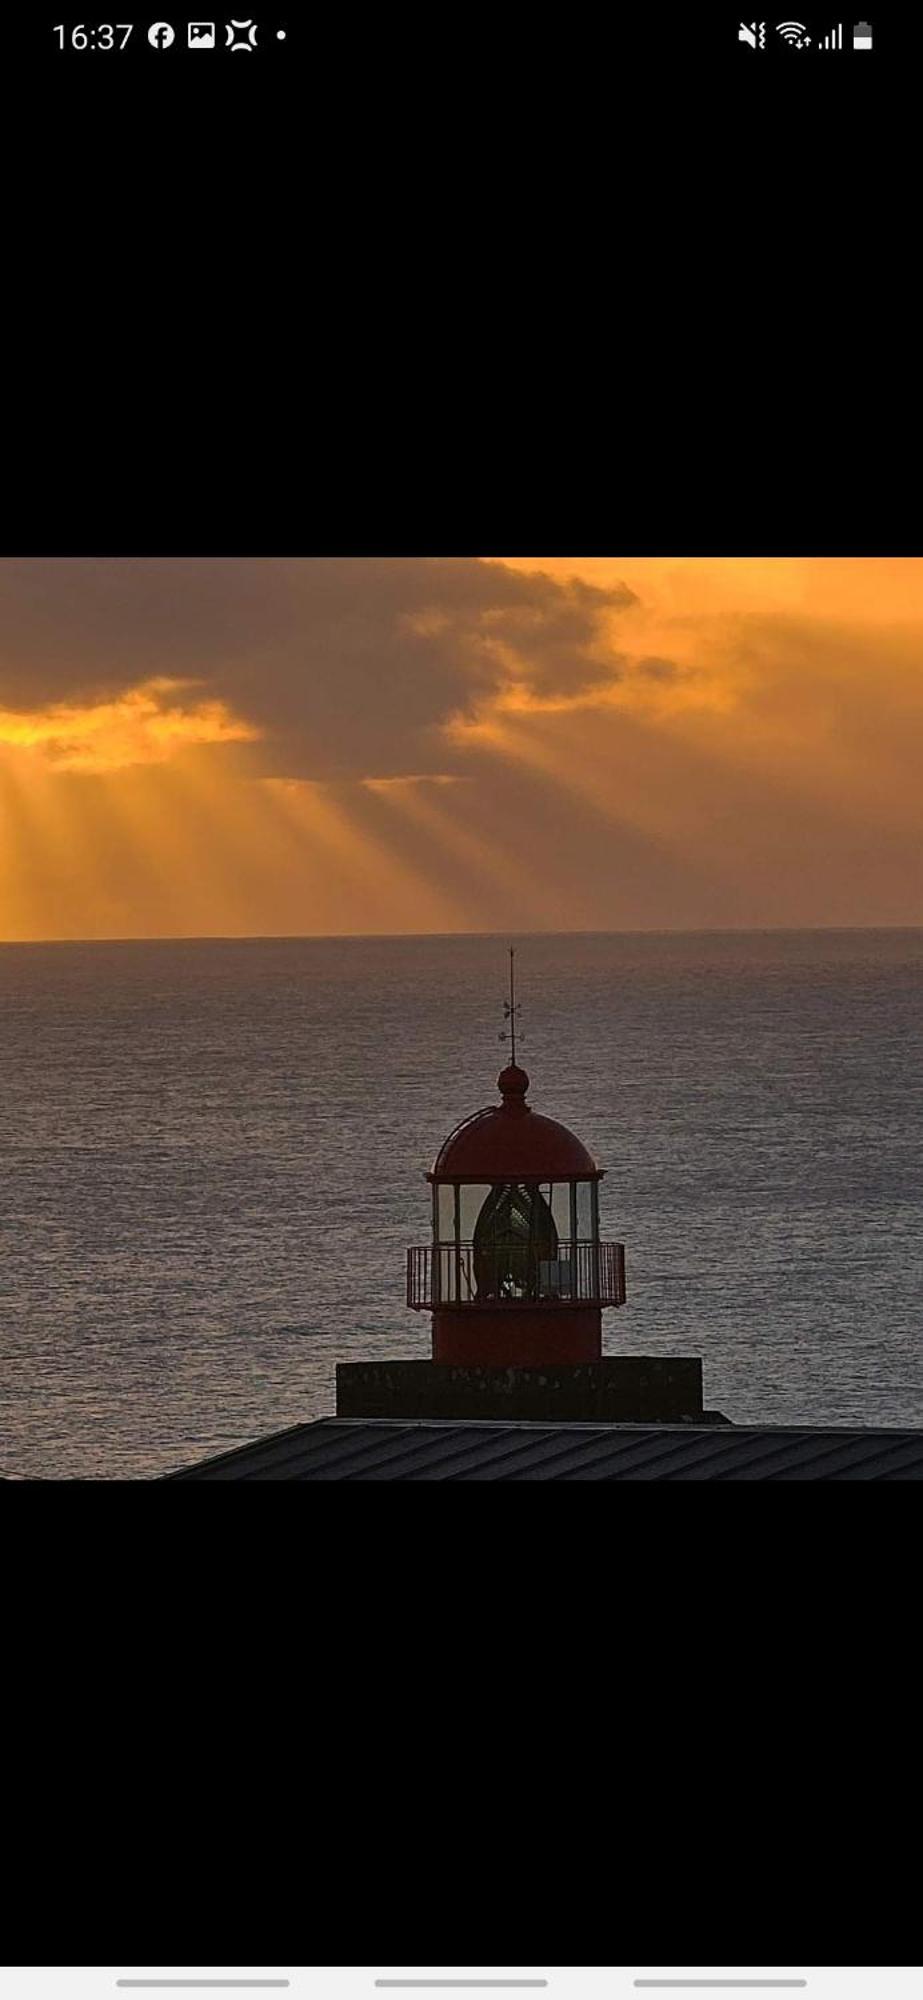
(236, 36)
(831, 37)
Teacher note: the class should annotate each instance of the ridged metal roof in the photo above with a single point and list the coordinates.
(337, 1448)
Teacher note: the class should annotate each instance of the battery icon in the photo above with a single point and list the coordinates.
(862, 35)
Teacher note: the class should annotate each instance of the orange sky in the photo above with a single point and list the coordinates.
(232, 748)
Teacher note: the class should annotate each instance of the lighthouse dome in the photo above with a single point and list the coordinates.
(511, 1142)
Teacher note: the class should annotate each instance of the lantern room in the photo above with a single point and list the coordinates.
(516, 1273)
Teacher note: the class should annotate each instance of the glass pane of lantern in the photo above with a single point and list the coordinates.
(472, 1200)
(584, 1210)
(560, 1208)
(446, 1212)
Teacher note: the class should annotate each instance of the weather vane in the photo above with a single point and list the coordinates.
(511, 1008)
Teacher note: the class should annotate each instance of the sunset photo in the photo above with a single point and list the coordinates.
(292, 848)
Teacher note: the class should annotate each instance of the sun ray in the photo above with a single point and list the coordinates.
(201, 864)
(47, 848)
(479, 862)
(390, 892)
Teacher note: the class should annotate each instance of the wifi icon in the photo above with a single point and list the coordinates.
(794, 32)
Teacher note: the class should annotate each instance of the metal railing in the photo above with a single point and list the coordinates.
(582, 1273)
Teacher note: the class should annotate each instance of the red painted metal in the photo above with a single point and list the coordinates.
(517, 1336)
(510, 1141)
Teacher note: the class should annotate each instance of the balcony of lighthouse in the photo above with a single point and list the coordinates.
(582, 1273)
(518, 1243)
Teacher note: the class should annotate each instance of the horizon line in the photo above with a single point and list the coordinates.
(393, 937)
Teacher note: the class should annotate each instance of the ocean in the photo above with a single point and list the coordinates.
(213, 1154)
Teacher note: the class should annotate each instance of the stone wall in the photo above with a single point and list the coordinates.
(627, 1388)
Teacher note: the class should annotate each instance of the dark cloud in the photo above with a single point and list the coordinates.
(656, 669)
(349, 665)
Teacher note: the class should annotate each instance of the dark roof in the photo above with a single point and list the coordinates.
(338, 1448)
(510, 1141)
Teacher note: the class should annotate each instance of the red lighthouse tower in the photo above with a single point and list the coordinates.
(516, 1274)
(517, 1278)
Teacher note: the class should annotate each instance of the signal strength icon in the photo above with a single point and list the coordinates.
(835, 38)
(795, 33)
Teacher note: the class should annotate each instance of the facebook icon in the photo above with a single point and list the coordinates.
(161, 35)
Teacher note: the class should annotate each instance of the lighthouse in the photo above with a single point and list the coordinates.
(516, 1277)
(516, 1274)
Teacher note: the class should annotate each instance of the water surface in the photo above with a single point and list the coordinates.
(213, 1152)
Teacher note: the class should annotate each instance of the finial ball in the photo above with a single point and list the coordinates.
(512, 1081)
